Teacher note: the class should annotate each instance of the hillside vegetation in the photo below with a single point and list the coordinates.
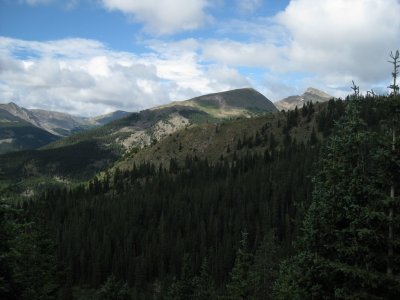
(289, 205)
(81, 156)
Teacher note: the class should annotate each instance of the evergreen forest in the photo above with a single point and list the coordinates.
(316, 218)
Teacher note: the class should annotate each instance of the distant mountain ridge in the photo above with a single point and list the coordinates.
(58, 123)
(24, 129)
(310, 95)
(151, 125)
(83, 154)
(110, 117)
(245, 102)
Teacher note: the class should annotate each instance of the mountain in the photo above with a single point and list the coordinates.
(59, 123)
(241, 198)
(82, 155)
(141, 129)
(310, 95)
(24, 129)
(245, 102)
(17, 134)
(107, 118)
(19, 112)
(56, 123)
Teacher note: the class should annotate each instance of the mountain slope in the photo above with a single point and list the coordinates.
(84, 154)
(61, 124)
(26, 172)
(26, 129)
(245, 102)
(148, 126)
(310, 95)
(107, 118)
(58, 123)
(17, 134)
(228, 139)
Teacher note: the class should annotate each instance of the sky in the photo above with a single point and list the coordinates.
(91, 57)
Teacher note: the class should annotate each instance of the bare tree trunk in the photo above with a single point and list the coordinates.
(395, 89)
(391, 212)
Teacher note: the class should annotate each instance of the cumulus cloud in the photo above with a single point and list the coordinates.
(325, 44)
(162, 17)
(332, 41)
(84, 77)
(238, 53)
(340, 37)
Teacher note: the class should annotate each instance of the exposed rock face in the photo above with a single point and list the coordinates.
(57, 123)
(20, 113)
(310, 95)
(155, 124)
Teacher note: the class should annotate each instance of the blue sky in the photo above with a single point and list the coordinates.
(89, 57)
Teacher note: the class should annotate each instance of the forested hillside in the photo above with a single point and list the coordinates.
(246, 226)
(81, 156)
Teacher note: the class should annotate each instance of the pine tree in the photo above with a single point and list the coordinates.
(183, 288)
(239, 287)
(345, 231)
(203, 285)
(265, 268)
(113, 289)
(8, 288)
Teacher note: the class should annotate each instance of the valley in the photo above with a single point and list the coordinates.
(128, 198)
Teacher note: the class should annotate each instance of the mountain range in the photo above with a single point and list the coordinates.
(152, 125)
(310, 95)
(81, 155)
(207, 126)
(23, 129)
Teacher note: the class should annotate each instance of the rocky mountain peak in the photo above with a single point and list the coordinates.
(316, 92)
(310, 95)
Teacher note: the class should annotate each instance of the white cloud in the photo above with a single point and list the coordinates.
(162, 17)
(328, 42)
(237, 53)
(35, 2)
(325, 44)
(71, 4)
(248, 6)
(340, 38)
(84, 77)
(223, 78)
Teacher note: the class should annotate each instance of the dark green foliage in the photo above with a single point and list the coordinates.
(80, 161)
(28, 265)
(35, 267)
(292, 117)
(326, 118)
(313, 137)
(204, 286)
(239, 287)
(344, 248)
(114, 290)
(23, 136)
(139, 224)
(307, 110)
(176, 232)
(7, 231)
(265, 268)
(190, 286)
